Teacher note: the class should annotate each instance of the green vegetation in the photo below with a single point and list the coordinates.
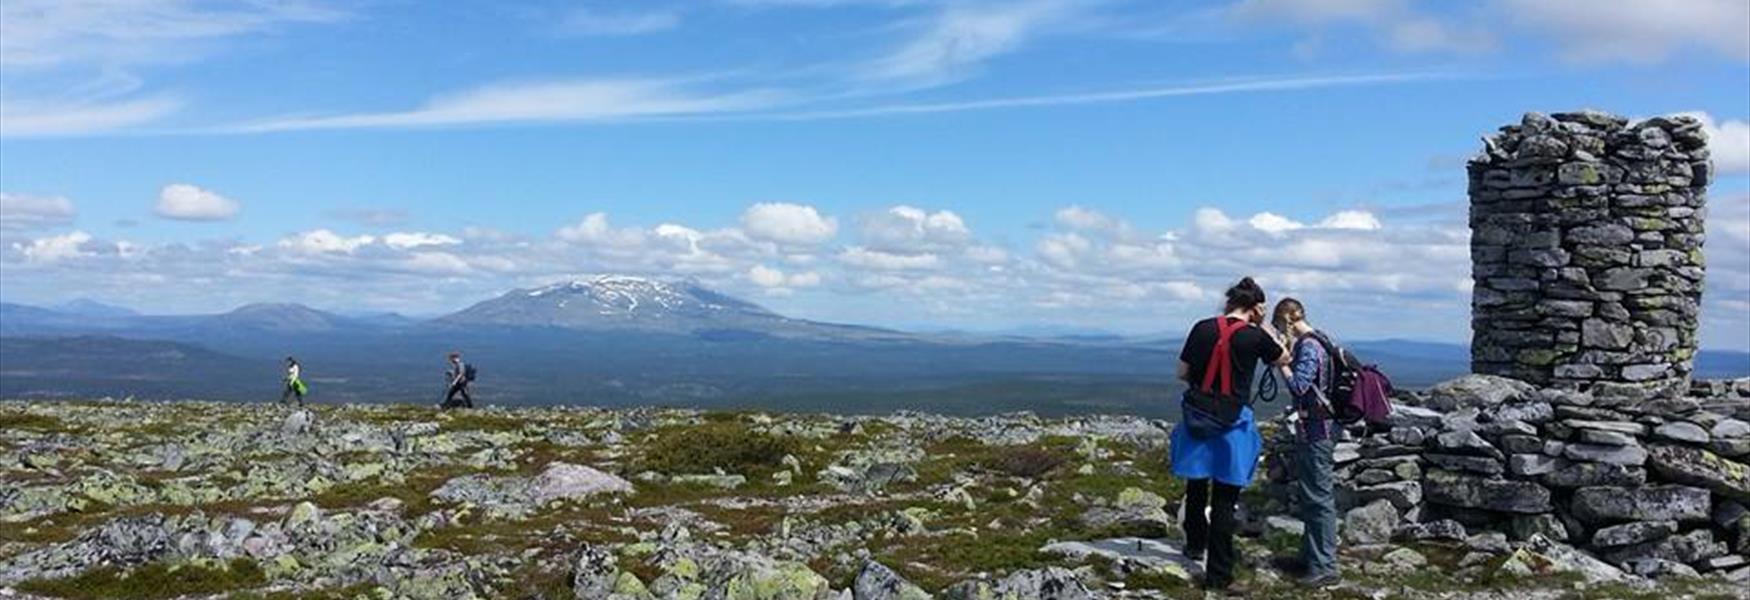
(152, 581)
(728, 445)
(30, 422)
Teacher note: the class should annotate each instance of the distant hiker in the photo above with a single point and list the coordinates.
(1215, 446)
(460, 375)
(295, 387)
(1310, 376)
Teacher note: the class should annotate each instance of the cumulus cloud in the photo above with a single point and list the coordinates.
(55, 248)
(21, 212)
(786, 223)
(772, 278)
(184, 202)
(909, 230)
(1729, 141)
(415, 239)
(858, 256)
(323, 241)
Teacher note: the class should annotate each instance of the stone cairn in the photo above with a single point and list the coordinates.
(1586, 234)
(1608, 486)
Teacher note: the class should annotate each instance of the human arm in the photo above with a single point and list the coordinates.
(1303, 377)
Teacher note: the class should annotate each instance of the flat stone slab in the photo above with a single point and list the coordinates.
(1151, 554)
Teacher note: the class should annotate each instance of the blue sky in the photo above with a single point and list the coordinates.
(1104, 164)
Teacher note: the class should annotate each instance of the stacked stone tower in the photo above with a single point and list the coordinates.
(1586, 235)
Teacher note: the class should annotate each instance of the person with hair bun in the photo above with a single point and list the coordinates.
(1215, 445)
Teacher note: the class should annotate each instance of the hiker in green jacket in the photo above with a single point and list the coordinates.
(295, 387)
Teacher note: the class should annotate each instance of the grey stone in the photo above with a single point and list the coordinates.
(1441, 530)
(1701, 468)
(1682, 431)
(877, 582)
(1523, 527)
(1477, 391)
(1474, 464)
(1730, 428)
(1531, 465)
(1695, 546)
(1599, 333)
(1465, 442)
(1607, 438)
(1403, 495)
(1603, 504)
(1370, 524)
(1633, 533)
(1616, 455)
(1470, 491)
(1586, 474)
(1492, 542)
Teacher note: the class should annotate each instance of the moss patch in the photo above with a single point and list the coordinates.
(157, 580)
(729, 445)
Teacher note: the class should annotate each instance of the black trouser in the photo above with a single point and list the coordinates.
(462, 388)
(1214, 533)
(291, 392)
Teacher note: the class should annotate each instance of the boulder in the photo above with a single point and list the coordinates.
(1479, 391)
(877, 582)
(1701, 468)
(1542, 556)
(1465, 442)
(1682, 431)
(1605, 504)
(568, 481)
(1471, 491)
(1628, 456)
(1441, 530)
(1370, 524)
(1633, 533)
(1692, 547)
(1589, 474)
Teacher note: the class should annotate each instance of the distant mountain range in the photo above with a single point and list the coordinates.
(619, 340)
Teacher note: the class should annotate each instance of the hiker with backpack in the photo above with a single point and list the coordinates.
(1215, 445)
(294, 383)
(1311, 381)
(460, 375)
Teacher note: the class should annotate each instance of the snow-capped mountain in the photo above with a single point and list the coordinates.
(626, 302)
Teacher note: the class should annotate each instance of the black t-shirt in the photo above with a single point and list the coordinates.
(1247, 347)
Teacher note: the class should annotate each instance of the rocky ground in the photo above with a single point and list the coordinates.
(116, 499)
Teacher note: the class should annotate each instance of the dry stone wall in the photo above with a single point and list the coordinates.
(1619, 487)
(1586, 236)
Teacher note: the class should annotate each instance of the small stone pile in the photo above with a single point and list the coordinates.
(1586, 235)
(1500, 466)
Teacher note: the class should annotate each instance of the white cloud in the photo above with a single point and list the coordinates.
(50, 33)
(906, 229)
(1729, 141)
(1081, 218)
(587, 21)
(858, 256)
(186, 202)
(55, 248)
(544, 102)
(323, 241)
(594, 229)
(768, 277)
(1351, 219)
(19, 212)
(1636, 31)
(785, 223)
(961, 37)
(1273, 223)
(415, 239)
(42, 118)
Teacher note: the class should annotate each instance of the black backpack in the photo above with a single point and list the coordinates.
(468, 373)
(1345, 372)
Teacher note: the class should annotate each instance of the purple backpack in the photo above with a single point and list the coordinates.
(1357, 391)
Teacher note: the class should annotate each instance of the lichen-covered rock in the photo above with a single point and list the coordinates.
(1604, 504)
(877, 582)
(1471, 491)
(1701, 468)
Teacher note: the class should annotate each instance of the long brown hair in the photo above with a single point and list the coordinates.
(1288, 312)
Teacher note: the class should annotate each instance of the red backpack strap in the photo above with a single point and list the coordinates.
(1221, 358)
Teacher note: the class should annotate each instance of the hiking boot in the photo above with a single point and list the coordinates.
(1292, 565)
(1320, 580)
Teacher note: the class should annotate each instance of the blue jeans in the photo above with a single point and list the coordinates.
(1318, 506)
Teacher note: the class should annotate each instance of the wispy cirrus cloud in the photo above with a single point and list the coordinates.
(544, 102)
(952, 44)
